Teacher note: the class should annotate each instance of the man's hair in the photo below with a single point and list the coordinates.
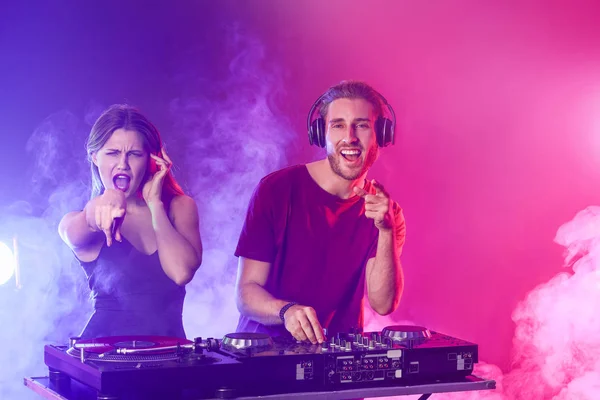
(351, 90)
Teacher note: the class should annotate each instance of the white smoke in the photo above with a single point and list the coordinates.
(228, 134)
(49, 305)
(232, 135)
(556, 347)
(557, 338)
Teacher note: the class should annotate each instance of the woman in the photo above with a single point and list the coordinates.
(137, 239)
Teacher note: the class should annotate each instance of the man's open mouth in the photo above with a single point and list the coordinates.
(351, 154)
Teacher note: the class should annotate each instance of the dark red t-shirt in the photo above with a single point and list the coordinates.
(317, 244)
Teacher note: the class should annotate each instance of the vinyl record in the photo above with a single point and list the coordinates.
(109, 343)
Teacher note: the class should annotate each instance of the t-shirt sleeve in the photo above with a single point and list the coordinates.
(257, 239)
(400, 226)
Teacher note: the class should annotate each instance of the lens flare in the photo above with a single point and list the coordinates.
(7, 263)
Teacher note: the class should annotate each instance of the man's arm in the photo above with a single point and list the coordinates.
(385, 279)
(384, 276)
(256, 303)
(257, 242)
(252, 299)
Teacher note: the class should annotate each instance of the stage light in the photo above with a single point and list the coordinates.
(7, 263)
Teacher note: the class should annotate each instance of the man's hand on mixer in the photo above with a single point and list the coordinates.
(303, 324)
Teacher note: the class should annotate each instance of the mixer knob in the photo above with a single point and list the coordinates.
(371, 344)
(198, 345)
(213, 344)
(348, 346)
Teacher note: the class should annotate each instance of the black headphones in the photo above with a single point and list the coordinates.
(384, 127)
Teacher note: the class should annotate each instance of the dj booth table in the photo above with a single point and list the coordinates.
(398, 361)
(46, 389)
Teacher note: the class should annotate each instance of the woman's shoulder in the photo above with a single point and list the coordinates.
(183, 200)
(182, 206)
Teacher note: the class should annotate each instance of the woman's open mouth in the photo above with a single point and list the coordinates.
(122, 182)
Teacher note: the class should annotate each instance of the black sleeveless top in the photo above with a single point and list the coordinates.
(132, 295)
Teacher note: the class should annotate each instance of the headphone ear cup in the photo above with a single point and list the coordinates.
(317, 132)
(312, 136)
(384, 130)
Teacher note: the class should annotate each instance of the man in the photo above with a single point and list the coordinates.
(314, 234)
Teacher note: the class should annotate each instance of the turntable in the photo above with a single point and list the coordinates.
(139, 366)
(253, 364)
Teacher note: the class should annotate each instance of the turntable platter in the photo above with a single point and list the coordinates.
(129, 348)
(405, 332)
(246, 340)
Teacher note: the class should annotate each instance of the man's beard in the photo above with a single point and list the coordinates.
(335, 161)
